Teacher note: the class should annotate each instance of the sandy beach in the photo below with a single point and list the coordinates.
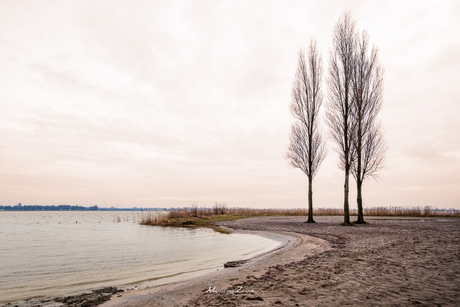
(388, 262)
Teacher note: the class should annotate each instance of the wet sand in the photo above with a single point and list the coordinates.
(389, 262)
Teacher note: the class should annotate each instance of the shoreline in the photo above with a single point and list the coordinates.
(294, 248)
(113, 293)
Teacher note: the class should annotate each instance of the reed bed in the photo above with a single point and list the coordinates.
(426, 211)
(221, 209)
(154, 218)
(204, 217)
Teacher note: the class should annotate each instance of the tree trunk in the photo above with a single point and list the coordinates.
(360, 220)
(310, 200)
(346, 208)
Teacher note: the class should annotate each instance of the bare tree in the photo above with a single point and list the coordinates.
(339, 112)
(368, 145)
(306, 150)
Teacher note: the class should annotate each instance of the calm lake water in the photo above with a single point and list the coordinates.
(46, 253)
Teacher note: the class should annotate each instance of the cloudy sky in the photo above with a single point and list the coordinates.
(169, 103)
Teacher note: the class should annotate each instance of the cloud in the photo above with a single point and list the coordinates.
(157, 103)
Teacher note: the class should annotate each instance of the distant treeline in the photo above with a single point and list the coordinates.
(48, 208)
(21, 207)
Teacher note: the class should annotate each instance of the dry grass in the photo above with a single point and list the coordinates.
(414, 211)
(153, 218)
(393, 211)
(204, 217)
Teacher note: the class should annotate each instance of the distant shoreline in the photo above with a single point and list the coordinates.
(395, 211)
(20, 207)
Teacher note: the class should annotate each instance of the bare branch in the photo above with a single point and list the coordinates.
(368, 144)
(306, 150)
(338, 116)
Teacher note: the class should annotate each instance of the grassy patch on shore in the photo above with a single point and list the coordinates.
(192, 221)
(202, 217)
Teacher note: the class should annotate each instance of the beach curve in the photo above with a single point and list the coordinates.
(294, 247)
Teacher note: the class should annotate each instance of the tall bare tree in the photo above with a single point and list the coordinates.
(368, 144)
(339, 112)
(306, 150)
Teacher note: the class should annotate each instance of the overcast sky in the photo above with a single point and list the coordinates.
(169, 103)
